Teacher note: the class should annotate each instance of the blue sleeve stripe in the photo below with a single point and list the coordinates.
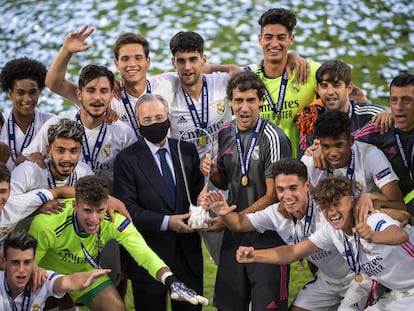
(42, 197)
(379, 225)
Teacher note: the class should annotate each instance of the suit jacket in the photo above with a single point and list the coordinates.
(140, 185)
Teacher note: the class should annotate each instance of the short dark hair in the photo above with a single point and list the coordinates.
(330, 190)
(22, 68)
(92, 190)
(130, 38)
(333, 123)
(5, 174)
(290, 166)
(278, 16)
(186, 41)
(334, 70)
(91, 72)
(65, 128)
(19, 240)
(404, 79)
(244, 81)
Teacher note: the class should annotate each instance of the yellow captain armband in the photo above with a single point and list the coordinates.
(409, 197)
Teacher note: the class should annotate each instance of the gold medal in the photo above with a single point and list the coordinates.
(358, 277)
(301, 265)
(277, 120)
(244, 181)
(203, 140)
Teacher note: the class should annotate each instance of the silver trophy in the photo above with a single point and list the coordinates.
(198, 215)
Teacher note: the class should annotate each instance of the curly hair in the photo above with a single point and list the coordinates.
(333, 124)
(22, 68)
(65, 128)
(330, 190)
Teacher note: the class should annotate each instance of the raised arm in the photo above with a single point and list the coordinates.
(55, 79)
(392, 235)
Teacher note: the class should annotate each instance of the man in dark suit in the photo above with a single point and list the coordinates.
(152, 188)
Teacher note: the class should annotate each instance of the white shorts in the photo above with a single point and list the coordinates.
(395, 301)
(320, 294)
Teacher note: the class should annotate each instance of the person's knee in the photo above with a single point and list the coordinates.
(108, 299)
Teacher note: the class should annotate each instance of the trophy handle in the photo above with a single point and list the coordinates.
(187, 189)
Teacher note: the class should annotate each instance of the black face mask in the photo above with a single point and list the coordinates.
(155, 132)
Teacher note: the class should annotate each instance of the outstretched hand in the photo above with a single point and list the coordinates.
(180, 292)
(75, 41)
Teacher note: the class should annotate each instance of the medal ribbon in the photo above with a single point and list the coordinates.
(130, 112)
(308, 220)
(94, 262)
(401, 151)
(98, 144)
(51, 180)
(244, 162)
(349, 172)
(12, 136)
(353, 263)
(26, 297)
(204, 107)
(282, 92)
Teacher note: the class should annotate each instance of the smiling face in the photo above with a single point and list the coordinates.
(402, 106)
(337, 151)
(189, 66)
(132, 63)
(95, 96)
(339, 215)
(19, 268)
(245, 107)
(275, 41)
(292, 192)
(64, 156)
(24, 95)
(335, 95)
(89, 216)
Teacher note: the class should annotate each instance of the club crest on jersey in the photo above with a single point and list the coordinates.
(36, 307)
(255, 153)
(220, 108)
(295, 88)
(3, 231)
(106, 150)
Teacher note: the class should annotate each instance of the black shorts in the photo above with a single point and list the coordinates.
(264, 285)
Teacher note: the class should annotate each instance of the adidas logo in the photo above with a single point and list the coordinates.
(182, 120)
(271, 305)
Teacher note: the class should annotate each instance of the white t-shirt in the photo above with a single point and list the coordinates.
(392, 266)
(169, 86)
(14, 211)
(37, 298)
(219, 111)
(39, 119)
(118, 136)
(29, 176)
(328, 260)
(372, 169)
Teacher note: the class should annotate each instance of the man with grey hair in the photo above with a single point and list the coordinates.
(149, 180)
